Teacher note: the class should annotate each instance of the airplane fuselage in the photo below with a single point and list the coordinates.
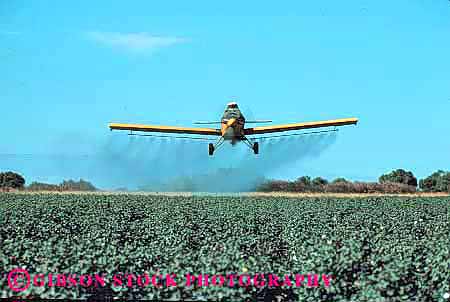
(232, 124)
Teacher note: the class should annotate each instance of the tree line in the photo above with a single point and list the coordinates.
(11, 181)
(397, 181)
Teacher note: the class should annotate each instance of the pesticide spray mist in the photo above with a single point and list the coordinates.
(169, 164)
(165, 164)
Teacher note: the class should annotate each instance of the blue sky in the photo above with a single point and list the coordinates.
(69, 68)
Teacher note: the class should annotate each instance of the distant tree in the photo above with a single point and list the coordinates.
(304, 180)
(40, 186)
(305, 184)
(301, 184)
(81, 185)
(439, 181)
(11, 180)
(399, 176)
(318, 184)
(340, 180)
(429, 184)
(319, 181)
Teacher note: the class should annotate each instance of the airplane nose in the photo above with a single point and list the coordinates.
(229, 133)
(227, 128)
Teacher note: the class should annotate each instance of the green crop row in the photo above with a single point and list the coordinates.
(376, 249)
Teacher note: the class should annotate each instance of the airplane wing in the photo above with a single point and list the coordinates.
(165, 129)
(300, 126)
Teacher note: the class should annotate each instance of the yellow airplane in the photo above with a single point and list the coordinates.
(232, 128)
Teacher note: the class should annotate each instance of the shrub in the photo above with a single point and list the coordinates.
(319, 181)
(11, 180)
(304, 180)
(439, 181)
(339, 180)
(39, 186)
(66, 185)
(81, 185)
(319, 186)
(399, 176)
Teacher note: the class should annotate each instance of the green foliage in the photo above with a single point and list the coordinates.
(304, 180)
(340, 185)
(40, 186)
(399, 176)
(439, 181)
(81, 185)
(66, 185)
(340, 180)
(11, 180)
(319, 181)
(377, 249)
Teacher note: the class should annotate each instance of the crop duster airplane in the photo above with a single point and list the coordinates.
(232, 128)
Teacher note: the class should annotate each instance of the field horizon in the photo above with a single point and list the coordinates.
(249, 194)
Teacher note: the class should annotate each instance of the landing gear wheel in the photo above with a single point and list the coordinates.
(211, 149)
(256, 148)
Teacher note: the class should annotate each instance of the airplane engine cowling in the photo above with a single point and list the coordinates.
(229, 133)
